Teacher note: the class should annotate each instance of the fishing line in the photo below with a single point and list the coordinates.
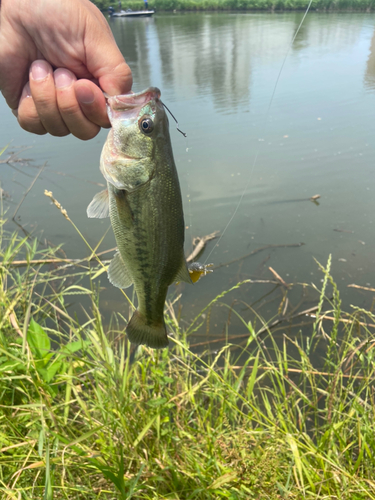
(263, 125)
(172, 115)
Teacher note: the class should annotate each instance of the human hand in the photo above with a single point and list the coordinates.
(73, 37)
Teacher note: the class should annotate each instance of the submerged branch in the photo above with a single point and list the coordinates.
(343, 320)
(362, 287)
(22, 263)
(200, 243)
(278, 277)
(265, 328)
(290, 245)
(296, 370)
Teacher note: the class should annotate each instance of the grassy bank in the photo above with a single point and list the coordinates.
(84, 417)
(244, 5)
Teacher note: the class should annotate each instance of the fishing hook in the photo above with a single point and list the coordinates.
(170, 112)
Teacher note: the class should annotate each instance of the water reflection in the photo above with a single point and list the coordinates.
(133, 38)
(370, 68)
(204, 55)
(302, 38)
(214, 54)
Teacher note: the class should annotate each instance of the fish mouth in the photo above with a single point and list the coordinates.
(129, 101)
(125, 107)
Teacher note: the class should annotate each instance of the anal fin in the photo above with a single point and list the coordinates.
(99, 206)
(118, 274)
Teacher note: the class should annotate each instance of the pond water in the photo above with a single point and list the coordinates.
(245, 155)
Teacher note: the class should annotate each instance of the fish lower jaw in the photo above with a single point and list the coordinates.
(126, 158)
(119, 161)
(113, 156)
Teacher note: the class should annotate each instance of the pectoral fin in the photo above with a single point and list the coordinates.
(99, 207)
(183, 274)
(118, 274)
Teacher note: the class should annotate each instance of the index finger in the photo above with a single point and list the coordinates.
(92, 102)
(75, 120)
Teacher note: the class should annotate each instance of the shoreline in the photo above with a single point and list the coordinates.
(253, 6)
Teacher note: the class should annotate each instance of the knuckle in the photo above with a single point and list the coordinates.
(70, 110)
(33, 128)
(86, 135)
(31, 124)
(43, 100)
(59, 133)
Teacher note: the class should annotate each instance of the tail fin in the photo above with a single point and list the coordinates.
(139, 332)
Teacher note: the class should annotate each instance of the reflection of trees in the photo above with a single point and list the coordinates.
(334, 32)
(370, 68)
(301, 40)
(212, 54)
(132, 38)
(223, 64)
(178, 36)
(206, 54)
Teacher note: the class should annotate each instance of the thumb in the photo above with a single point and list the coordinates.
(116, 78)
(105, 61)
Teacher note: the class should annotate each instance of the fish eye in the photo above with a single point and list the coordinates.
(146, 125)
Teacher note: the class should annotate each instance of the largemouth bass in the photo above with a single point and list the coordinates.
(144, 203)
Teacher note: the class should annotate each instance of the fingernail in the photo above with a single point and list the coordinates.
(40, 70)
(63, 78)
(85, 95)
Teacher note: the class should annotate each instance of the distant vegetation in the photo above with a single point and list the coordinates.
(268, 5)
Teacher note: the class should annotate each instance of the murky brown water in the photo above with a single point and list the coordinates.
(217, 73)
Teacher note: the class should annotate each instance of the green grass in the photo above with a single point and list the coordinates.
(82, 417)
(243, 5)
